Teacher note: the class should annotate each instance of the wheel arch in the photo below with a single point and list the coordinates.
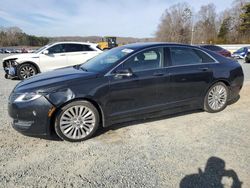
(32, 63)
(93, 102)
(226, 82)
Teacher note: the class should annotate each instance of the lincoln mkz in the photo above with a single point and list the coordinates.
(123, 84)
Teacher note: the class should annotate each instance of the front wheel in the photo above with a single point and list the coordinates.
(77, 121)
(216, 98)
(26, 70)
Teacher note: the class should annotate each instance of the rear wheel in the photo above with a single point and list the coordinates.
(26, 70)
(216, 98)
(77, 121)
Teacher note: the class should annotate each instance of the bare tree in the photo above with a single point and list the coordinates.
(205, 27)
(175, 24)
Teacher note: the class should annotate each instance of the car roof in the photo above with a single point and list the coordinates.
(208, 45)
(153, 44)
(73, 42)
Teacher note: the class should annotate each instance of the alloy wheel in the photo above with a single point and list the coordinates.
(77, 122)
(217, 97)
(27, 71)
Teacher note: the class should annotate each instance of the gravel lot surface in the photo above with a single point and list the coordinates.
(154, 153)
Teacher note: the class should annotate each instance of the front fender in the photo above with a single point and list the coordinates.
(60, 97)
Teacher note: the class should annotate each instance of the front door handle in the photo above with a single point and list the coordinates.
(63, 55)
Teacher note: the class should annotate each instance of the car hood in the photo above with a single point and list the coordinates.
(19, 56)
(53, 79)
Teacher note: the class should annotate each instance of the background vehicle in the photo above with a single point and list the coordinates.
(50, 57)
(7, 51)
(217, 49)
(247, 59)
(241, 53)
(124, 84)
(107, 43)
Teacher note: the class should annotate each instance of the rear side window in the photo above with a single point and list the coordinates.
(77, 48)
(204, 57)
(186, 56)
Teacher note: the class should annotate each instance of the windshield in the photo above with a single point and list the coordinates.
(42, 48)
(106, 59)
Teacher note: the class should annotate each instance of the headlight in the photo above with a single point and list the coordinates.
(27, 97)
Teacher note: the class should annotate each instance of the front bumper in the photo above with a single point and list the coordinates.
(10, 68)
(30, 118)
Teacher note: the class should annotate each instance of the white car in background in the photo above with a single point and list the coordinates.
(52, 56)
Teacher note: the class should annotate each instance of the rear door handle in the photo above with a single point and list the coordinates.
(63, 55)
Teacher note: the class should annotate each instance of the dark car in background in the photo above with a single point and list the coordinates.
(126, 83)
(217, 49)
(241, 53)
(247, 59)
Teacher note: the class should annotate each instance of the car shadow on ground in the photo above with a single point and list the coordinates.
(214, 176)
(103, 130)
(234, 100)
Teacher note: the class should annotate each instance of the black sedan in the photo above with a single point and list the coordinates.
(126, 83)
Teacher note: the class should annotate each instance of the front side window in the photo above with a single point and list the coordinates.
(186, 56)
(58, 48)
(146, 60)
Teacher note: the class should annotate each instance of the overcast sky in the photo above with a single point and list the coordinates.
(134, 18)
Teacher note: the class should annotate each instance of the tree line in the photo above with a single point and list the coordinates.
(14, 36)
(179, 23)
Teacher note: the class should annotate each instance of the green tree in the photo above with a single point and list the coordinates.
(224, 30)
(244, 28)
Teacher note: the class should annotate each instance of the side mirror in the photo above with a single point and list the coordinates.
(46, 52)
(124, 73)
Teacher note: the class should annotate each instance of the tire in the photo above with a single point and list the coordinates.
(216, 98)
(26, 70)
(77, 121)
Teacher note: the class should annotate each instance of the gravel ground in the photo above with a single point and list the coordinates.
(155, 153)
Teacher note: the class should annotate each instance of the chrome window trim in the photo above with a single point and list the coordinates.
(109, 73)
(194, 48)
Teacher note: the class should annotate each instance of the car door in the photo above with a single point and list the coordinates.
(79, 53)
(56, 58)
(136, 94)
(190, 74)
